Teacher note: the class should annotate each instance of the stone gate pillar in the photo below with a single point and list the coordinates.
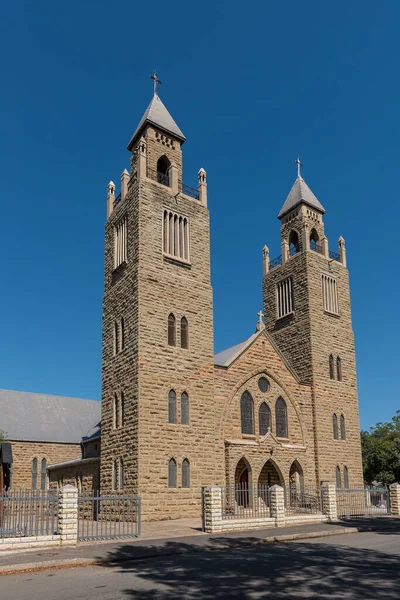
(212, 509)
(394, 491)
(277, 505)
(329, 505)
(68, 515)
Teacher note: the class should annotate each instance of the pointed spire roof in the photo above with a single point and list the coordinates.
(300, 193)
(157, 114)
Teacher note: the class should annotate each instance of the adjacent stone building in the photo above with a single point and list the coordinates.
(43, 430)
(280, 407)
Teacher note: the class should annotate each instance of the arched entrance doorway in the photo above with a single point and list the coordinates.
(269, 476)
(242, 483)
(296, 477)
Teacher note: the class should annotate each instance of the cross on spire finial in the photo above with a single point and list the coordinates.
(155, 80)
(299, 165)
(260, 315)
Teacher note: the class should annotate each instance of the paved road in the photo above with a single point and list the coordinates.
(348, 567)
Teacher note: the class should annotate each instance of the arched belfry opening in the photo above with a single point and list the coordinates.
(294, 246)
(314, 239)
(163, 165)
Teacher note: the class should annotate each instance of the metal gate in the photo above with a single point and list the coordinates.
(107, 517)
(362, 502)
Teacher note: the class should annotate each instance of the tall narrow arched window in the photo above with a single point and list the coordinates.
(335, 427)
(34, 473)
(163, 165)
(122, 410)
(186, 473)
(294, 246)
(338, 478)
(172, 407)
(184, 333)
(43, 474)
(172, 473)
(342, 428)
(116, 337)
(346, 478)
(121, 474)
(184, 409)
(314, 238)
(122, 334)
(115, 475)
(331, 367)
(171, 330)
(116, 412)
(281, 418)
(264, 418)
(247, 413)
(339, 368)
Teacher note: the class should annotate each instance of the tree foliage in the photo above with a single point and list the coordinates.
(381, 451)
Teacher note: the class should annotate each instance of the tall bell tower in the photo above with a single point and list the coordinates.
(157, 369)
(307, 312)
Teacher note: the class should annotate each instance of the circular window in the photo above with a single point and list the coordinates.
(263, 384)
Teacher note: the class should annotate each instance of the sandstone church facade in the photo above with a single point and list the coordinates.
(279, 407)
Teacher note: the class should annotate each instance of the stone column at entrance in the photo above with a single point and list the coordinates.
(329, 506)
(68, 515)
(213, 509)
(395, 499)
(277, 505)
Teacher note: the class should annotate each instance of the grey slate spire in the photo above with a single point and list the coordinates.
(300, 193)
(157, 114)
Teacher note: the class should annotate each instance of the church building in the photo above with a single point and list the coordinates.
(280, 406)
(277, 408)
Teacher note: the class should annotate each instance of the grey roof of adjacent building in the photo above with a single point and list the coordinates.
(157, 114)
(93, 433)
(25, 416)
(300, 193)
(75, 461)
(226, 357)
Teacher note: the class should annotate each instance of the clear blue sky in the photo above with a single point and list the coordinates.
(251, 85)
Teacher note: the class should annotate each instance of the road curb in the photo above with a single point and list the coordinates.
(86, 562)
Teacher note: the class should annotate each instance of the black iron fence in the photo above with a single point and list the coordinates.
(117, 200)
(102, 517)
(245, 501)
(303, 500)
(360, 502)
(189, 191)
(159, 177)
(334, 255)
(275, 262)
(27, 513)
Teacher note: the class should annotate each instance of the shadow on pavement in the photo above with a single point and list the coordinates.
(279, 571)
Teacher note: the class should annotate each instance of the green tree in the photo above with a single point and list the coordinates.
(381, 451)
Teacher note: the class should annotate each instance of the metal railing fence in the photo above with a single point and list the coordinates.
(303, 499)
(245, 501)
(189, 191)
(109, 516)
(159, 177)
(363, 501)
(27, 513)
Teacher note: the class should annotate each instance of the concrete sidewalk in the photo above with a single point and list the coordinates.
(178, 537)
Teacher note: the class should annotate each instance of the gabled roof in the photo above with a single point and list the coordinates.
(226, 357)
(300, 193)
(25, 416)
(157, 114)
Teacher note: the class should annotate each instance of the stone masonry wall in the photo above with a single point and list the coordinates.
(25, 452)
(85, 477)
(261, 358)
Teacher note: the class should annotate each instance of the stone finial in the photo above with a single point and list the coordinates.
(202, 187)
(202, 176)
(124, 183)
(260, 323)
(265, 259)
(110, 198)
(111, 188)
(342, 251)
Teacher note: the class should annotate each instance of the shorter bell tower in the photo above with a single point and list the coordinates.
(308, 314)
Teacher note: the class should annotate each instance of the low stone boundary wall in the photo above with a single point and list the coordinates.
(24, 543)
(215, 521)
